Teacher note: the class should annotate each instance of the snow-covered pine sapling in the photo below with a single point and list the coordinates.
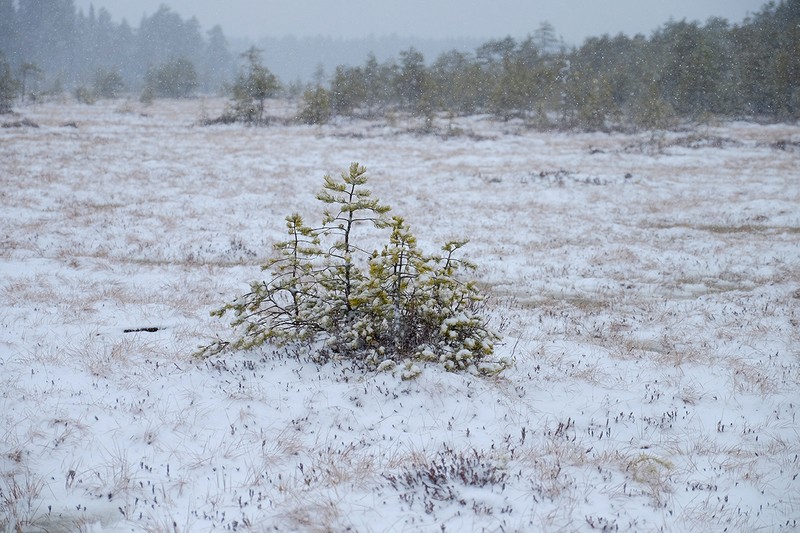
(456, 335)
(286, 308)
(349, 204)
(421, 309)
(378, 308)
(391, 292)
(295, 294)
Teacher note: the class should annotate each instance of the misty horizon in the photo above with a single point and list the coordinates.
(299, 41)
(342, 20)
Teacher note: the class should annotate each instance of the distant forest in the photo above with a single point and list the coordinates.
(684, 70)
(53, 47)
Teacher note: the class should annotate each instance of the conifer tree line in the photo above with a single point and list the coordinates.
(50, 47)
(684, 70)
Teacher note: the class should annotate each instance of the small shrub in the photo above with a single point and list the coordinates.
(394, 305)
(317, 108)
(84, 95)
(148, 95)
(107, 84)
(452, 476)
(254, 85)
(651, 111)
(177, 78)
(8, 86)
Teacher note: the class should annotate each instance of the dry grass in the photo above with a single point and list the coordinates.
(19, 500)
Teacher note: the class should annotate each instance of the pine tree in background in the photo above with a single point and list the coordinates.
(317, 106)
(651, 111)
(745, 70)
(218, 64)
(378, 309)
(252, 88)
(69, 46)
(9, 87)
(29, 74)
(107, 84)
(177, 78)
(411, 81)
(8, 29)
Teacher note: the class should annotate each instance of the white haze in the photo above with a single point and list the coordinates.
(574, 20)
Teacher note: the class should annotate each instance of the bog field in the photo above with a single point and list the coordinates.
(646, 286)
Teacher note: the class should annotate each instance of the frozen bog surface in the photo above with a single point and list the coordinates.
(647, 287)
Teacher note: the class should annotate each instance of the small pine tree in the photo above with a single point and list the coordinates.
(392, 287)
(283, 309)
(177, 78)
(84, 95)
(651, 111)
(107, 83)
(8, 86)
(375, 309)
(252, 88)
(349, 204)
(317, 108)
(454, 307)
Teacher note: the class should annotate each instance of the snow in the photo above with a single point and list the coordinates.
(647, 288)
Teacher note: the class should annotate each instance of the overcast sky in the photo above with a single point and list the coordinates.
(574, 20)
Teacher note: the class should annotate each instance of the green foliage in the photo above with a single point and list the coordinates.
(515, 92)
(419, 305)
(317, 108)
(84, 95)
(694, 65)
(364, 91)
(252, 88)
(590, 101)
(349, 205)
(177, 78)
(749, 69)
(378, 79)
(29, 72)
(683, 71)
(651, 111)
(107, 83)
(348, 90)
(8, 86)
(413, 84)
(148, 95)
(768, 66)
(377, 309)
(283, 309)
(457, 81)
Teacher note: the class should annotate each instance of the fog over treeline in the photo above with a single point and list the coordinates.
(682, 69)
(66, 48)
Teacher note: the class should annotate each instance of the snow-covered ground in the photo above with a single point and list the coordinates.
(648, 288)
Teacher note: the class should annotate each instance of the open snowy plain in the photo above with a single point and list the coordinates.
(647, 287)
